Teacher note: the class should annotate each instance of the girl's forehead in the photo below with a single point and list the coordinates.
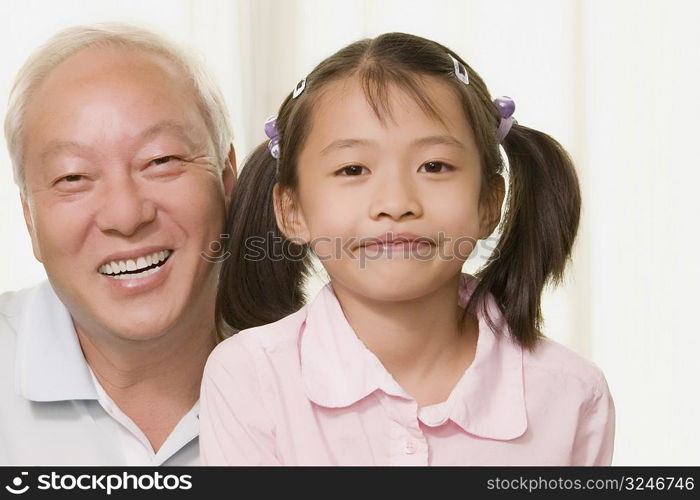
(354, 102)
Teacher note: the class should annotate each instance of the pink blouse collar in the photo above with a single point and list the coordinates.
(488, 401)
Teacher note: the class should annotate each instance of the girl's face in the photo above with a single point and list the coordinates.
(365, 181)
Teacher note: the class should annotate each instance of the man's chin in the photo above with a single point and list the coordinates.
(139, 330)
(142, 317)
(140, 323)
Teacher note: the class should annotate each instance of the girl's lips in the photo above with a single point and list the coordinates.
(397, 243)
(394, 246)
(398, 239)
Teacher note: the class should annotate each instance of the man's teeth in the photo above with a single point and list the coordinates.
(116, 267)
(135, 276)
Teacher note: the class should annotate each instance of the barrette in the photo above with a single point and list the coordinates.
(299, 88)
(506, 107)
(271, 132)
(460, 71)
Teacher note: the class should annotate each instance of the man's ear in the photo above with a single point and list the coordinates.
(229, 176)
(490, 207)
(26, 211)
(289, 218)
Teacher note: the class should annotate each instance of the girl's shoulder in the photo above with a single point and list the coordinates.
(559, 363)
(271, 337)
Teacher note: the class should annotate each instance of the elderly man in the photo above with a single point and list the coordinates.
(122, 153)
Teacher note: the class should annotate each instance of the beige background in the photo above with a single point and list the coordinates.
(615, 82)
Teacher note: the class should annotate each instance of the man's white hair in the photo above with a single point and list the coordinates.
(72, 40)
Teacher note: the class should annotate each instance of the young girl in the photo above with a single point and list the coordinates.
(384, 162)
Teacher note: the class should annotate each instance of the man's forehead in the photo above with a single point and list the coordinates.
(110, 76)
(118, 62)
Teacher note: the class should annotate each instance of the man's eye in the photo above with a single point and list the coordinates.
(72, 183)
(434, 167)
(164, 159)
(351, 170)
(71, 179)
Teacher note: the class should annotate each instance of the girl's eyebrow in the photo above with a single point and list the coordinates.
(447, 140)
(431, 140)
(346, 143)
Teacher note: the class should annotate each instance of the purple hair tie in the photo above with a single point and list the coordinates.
(274, 136)
(506, 107)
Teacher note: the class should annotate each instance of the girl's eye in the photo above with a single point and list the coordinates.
(351, 170)
(434, 167)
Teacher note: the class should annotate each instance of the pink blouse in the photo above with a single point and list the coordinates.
(306, 391)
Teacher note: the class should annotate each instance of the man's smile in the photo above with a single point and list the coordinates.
(138, 267)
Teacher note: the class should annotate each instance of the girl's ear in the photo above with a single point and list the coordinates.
(289, 217)
(490, 207)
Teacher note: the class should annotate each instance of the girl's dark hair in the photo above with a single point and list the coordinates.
(541, 212)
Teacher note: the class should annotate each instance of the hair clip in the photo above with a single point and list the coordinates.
(299, 88)
(506, 108)
(271, 132)
(460, 71)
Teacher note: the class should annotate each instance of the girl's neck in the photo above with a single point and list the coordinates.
(419, 341)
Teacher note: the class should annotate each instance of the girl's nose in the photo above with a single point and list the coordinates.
(396, 198)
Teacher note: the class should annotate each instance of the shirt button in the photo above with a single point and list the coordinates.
(409, 447)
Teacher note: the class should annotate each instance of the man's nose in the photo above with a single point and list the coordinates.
(396, 197)
(124, 208)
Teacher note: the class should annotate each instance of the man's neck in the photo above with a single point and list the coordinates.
(155, 382)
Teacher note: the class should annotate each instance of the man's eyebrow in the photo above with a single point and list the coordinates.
(346, 143)
(57, 147)
(447, 140)
(168, 126)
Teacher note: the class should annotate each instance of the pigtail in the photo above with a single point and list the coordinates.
(259, 283)
(538, 230)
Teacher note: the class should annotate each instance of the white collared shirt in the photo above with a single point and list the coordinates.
(52, 409)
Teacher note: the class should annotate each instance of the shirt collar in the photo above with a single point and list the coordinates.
(51, 366)
(185, 431)
(50, 363)
(488, 401)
